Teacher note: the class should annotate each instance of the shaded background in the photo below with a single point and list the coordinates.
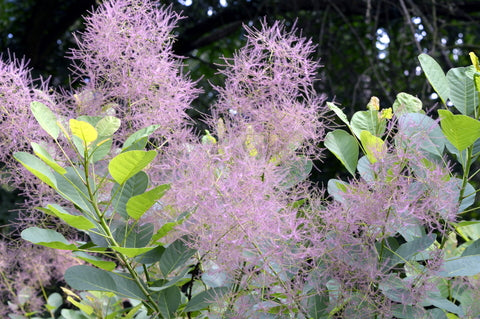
(367, 47)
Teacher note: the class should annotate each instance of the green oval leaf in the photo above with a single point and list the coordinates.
(345, 147)
(47, 237)
(83, 130)
(462, 131)
(127, 164)
(108, 125)
(462, 90)
(43, 154)
(46, 118)
(435, 75)
(138, 205)
(374, 146)
(131, 252)
(406, 103)
(37, 167)
(76, 221)
(368, 121)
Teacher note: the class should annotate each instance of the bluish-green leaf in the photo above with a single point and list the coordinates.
(151, 256)
(37, 167)
(435, 75)
(132, 236)
(72, 187)
(413, 250)
(297, 171)
(204, 299)
(140, 204)
(46, 118)
(462, 90)
(125, 165)
(460, 266)
(168, 301)
(84, 277)
(345, 147)
(422, 132)
(174, 256)
(336, 188)
(462, 131)
(47, 237)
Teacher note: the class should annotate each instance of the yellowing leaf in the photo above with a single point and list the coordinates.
(474, 59)
(374, 146)
(373, 104)
(83, 130)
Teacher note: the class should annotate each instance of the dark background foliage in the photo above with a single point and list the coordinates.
(367, 47)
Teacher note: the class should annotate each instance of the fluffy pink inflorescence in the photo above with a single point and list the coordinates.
(125, 55)
(270, 87)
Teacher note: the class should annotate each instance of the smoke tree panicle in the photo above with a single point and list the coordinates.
(125, 56)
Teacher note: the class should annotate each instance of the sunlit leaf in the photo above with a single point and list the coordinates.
(435, 75)
(127, 164)
(46, 118)
(345, 147)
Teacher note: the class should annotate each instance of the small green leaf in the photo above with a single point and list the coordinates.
(339, 113)
(406, 103)
(43, 154)
(368, 121)
(374, 146)
(345, 147)
(138, 140)
(462, 131)
(127, 164)
(139, 204)
(46, 118)
(336, 188)
(76, 221)
(135, 185)
(131, 252)
(47, 237)
(37, 167)
(107, 126)
(435, 75)
(83, 130)
(102, 264)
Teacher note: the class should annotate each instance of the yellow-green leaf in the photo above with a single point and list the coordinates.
(373, 145)
(43, 154)
(83, 130)
(131, 251)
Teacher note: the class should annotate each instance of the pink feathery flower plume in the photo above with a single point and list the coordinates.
(269, 89)
(125, 54)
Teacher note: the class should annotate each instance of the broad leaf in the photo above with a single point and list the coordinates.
(132, 236)
(422, 132)
(96, 261)
(406, 103)
(413, 250)
(43, 154)
(462, 90)
(138, 140)
(174, 256)
(47, 237)
(339, 113)
(460, 266)
(72, 187)
(125, 165)
(204, 299)
(140, 204)
(131, 252)
(435, 75)
(345, 147)
(83, 130)
(374, 146)
(151, 256)
(368, 121)
(76, 221)
(84, 277)
(46, 118)
(37, 167)
(462, 131)
(336, 188)
(168, 301)
(107, 126)
(135, 185)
